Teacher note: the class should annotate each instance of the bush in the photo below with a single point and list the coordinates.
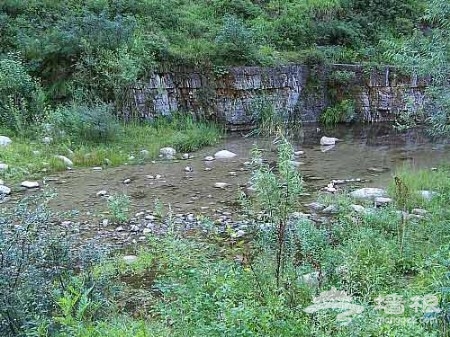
(38, 263)
(21, 98)
(343, 111)
(84, 123)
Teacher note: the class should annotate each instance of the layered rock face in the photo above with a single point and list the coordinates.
(236, 95)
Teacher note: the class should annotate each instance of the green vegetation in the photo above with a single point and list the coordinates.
(250, 286)
(102, 143)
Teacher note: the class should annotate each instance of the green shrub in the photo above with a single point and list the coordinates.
(343, 111)
(83, 123)
(38, 264)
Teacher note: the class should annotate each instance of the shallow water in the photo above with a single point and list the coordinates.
(361, 149)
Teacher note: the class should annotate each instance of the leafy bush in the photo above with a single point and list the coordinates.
(343, 111)
(21, 98)
(119, 207)
(83, 123)
(38, 263)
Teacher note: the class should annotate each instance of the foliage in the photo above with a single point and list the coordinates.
(427, 54)
(343, 111)
(38, 264)
(119, 207)
(21, 97)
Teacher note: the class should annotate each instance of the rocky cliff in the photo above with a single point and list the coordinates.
(235, 96)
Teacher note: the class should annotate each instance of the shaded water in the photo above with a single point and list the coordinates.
(361, 151)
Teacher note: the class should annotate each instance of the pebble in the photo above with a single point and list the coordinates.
(29, 184)
(127, 181)
(129, 259)
(102, 193)
(220, 185)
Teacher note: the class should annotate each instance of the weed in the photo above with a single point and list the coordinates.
(119, 207)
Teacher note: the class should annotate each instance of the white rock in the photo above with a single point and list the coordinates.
(101, 193)
(220, 185)
(298, 153)
(129, 259)
(167, 153)
(158, 176)
(358, 208)
(127, 181)
(328, 140)
(146, 231)
(131, 157)
(185, 156)
(419, 211)
(47, 140)
(97, 168)
(368, 193)
(4, 189)
(3, 167)
(332, 209)
(428, 195)
(105, 222)
(66, 160)
(5, 141)
(188, 169)
(326, 148)
(29, 184)
(382, 201)
(224, 154)
(209, 158)
(296, 163)
(144, 153)
(311, 279)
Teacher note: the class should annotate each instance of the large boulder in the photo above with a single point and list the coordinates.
(224, 154)
(4, 189)
(65, 160)
(5, 141)
(326, 141)
(368, 193)
(167, 153)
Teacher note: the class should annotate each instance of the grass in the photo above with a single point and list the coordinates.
(30, 158)
(196, 286)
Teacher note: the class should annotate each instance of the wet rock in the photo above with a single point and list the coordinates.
(358, 208)
(188, 169)
(65, 160)
(185, 156)
(326, 148)
(5, 141)
(208, 158)
(127, 181)
(368, 193)
(377, 169)
(158, 176)
(101, 193)
(220, 185)
(331, 209)
(327, 141)
(315, 206)
(382, 201)
(296, 163)
(29, 184)
(167, 153)
(97, 168)
(207, 169)
(5, 189)
(224, 154)
(298, 153)
(3, 167)
(150, 176)
(129, 259)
